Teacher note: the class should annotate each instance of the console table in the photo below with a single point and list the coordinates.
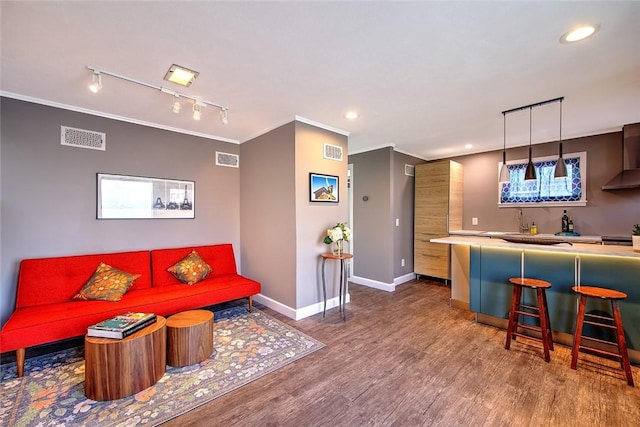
(342, 295)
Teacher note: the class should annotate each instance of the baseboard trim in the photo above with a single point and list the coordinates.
(404, 279)
(389, 287)
(455, 303)
(300, 313)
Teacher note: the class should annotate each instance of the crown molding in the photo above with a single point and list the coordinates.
(114, 117)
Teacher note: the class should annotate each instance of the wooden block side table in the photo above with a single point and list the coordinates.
(119, 368)
(189, 337)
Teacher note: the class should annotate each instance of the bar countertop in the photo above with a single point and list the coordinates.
(546, 243)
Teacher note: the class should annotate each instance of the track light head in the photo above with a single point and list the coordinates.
(197, 111)
(175, 107)
(96, 82)
(224, 118)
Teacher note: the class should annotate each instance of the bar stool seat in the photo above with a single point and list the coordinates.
(540, 312)
(583, 317)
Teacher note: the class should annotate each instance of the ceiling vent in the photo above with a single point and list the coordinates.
(409, 170)
(227, 159)
(83, 138)
(333, 152)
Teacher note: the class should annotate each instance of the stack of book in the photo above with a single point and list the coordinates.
(122, 325)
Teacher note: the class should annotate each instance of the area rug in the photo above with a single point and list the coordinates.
(247, 347)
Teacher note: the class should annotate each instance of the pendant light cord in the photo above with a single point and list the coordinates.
(560, 128)
(530, 130)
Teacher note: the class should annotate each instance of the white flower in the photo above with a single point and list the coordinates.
(339, 232)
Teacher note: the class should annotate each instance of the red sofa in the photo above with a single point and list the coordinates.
(45, 311)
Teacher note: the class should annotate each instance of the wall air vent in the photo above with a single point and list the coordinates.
(227, 159)
(332, 152)
(409, 170)
(83, 138)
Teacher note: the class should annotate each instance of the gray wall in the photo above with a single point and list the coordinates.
(49, 190)
(268, 214)
(403, 197)
(282, 230)
(313, 218)
(380, 245)
(606, 212)
(373, 222)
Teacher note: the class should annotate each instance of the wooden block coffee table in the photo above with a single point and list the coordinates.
(189, 337)
(119, 368)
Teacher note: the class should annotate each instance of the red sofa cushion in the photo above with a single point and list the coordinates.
(219, 257)
(55, 280)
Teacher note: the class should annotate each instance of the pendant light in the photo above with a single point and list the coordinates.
(561, 167)
(530, 173)
(504, 170)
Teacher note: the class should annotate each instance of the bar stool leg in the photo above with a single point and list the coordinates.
(622, 342)
(544, 326)
(577, 336)
(546, 313)
(513, 315)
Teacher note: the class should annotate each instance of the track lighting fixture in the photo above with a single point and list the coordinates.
(197, 111)
(96, 83)
(198, 104)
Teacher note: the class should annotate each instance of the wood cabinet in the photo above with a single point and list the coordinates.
(438, 209)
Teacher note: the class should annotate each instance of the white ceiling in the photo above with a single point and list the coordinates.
(425, 77)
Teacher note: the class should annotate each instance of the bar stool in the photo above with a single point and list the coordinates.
(592, 319)
(541, 312)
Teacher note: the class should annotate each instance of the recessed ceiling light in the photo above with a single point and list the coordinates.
(468, 146)
(351, 115)
(180, 75)
(579, 33)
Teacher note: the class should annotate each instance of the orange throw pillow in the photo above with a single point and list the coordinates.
(191, 269)
(106, 283)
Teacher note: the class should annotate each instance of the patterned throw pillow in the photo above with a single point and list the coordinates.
(191, 269)
(106, 283)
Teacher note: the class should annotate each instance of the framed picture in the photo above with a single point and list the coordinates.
(138, 197)
(323, 188)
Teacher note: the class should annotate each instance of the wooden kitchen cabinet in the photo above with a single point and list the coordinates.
(438, 209)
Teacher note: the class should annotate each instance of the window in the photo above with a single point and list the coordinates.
(545, 190)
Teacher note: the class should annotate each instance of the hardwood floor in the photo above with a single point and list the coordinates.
(408, 359)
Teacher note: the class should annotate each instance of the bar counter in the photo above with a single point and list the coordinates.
(481, 268)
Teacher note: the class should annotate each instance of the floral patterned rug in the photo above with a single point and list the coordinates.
(247, 347)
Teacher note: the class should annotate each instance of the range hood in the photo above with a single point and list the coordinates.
(630, 175)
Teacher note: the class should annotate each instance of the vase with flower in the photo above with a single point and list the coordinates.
(337, 235)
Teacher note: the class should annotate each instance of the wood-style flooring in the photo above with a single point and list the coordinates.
(407, 358)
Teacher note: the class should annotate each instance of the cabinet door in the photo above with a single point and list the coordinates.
(430, 259)
(431, 218)
(432, 198)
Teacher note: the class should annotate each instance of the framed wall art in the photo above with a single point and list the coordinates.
(138, 197)
(323, 188)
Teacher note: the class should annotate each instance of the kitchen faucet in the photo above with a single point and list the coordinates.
(523, 227)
